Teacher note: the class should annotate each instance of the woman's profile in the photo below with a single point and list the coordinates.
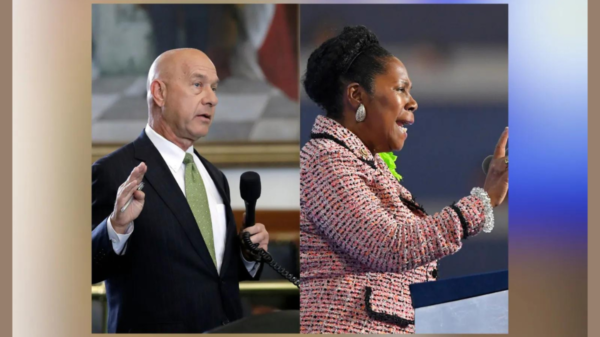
(363, 238)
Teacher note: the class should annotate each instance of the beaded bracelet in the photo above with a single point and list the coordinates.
(480, 193)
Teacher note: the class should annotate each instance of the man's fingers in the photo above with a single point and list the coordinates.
(258, 235)
(126, 193)
(138, 172)
(142, 168)
(128, 188)
(500, 150)
(259, 238)
(133, 181)
(123, 190)
(255, 229)
(264, 246)
(139, 195)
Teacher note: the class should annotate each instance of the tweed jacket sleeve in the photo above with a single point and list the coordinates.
(342, 202)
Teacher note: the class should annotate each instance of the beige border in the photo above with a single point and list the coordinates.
(228, 155)
(6, 285)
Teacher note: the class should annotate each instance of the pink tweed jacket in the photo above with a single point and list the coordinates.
(363, 239)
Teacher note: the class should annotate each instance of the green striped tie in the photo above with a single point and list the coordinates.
(196, 197)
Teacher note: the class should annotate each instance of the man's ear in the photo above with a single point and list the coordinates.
(158, 89)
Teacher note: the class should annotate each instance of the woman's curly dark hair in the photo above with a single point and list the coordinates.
(354, 55)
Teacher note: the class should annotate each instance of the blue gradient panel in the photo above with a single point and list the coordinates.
(548, 119)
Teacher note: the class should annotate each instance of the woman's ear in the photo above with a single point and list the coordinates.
(354, 95)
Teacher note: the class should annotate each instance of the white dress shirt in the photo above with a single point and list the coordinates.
(173, 156)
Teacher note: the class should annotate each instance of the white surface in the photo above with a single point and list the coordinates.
(482, 314)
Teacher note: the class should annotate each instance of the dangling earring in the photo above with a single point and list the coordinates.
(361, 113)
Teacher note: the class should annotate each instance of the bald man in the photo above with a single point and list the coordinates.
(171, 259)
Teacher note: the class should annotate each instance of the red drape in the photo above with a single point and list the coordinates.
(278, 55)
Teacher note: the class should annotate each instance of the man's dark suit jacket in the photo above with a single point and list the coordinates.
(166, 280)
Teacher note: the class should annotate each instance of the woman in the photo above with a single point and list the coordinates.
(363, 238)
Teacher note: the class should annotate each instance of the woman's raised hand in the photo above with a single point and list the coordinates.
(496, 182)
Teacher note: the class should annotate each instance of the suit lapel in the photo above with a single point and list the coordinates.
(160, 177)
(216, 177)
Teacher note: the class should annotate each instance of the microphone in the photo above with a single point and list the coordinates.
(250, 191)
(486, 162)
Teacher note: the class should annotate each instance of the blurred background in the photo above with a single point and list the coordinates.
(256, 125)
(457, 59)
(254, 48)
